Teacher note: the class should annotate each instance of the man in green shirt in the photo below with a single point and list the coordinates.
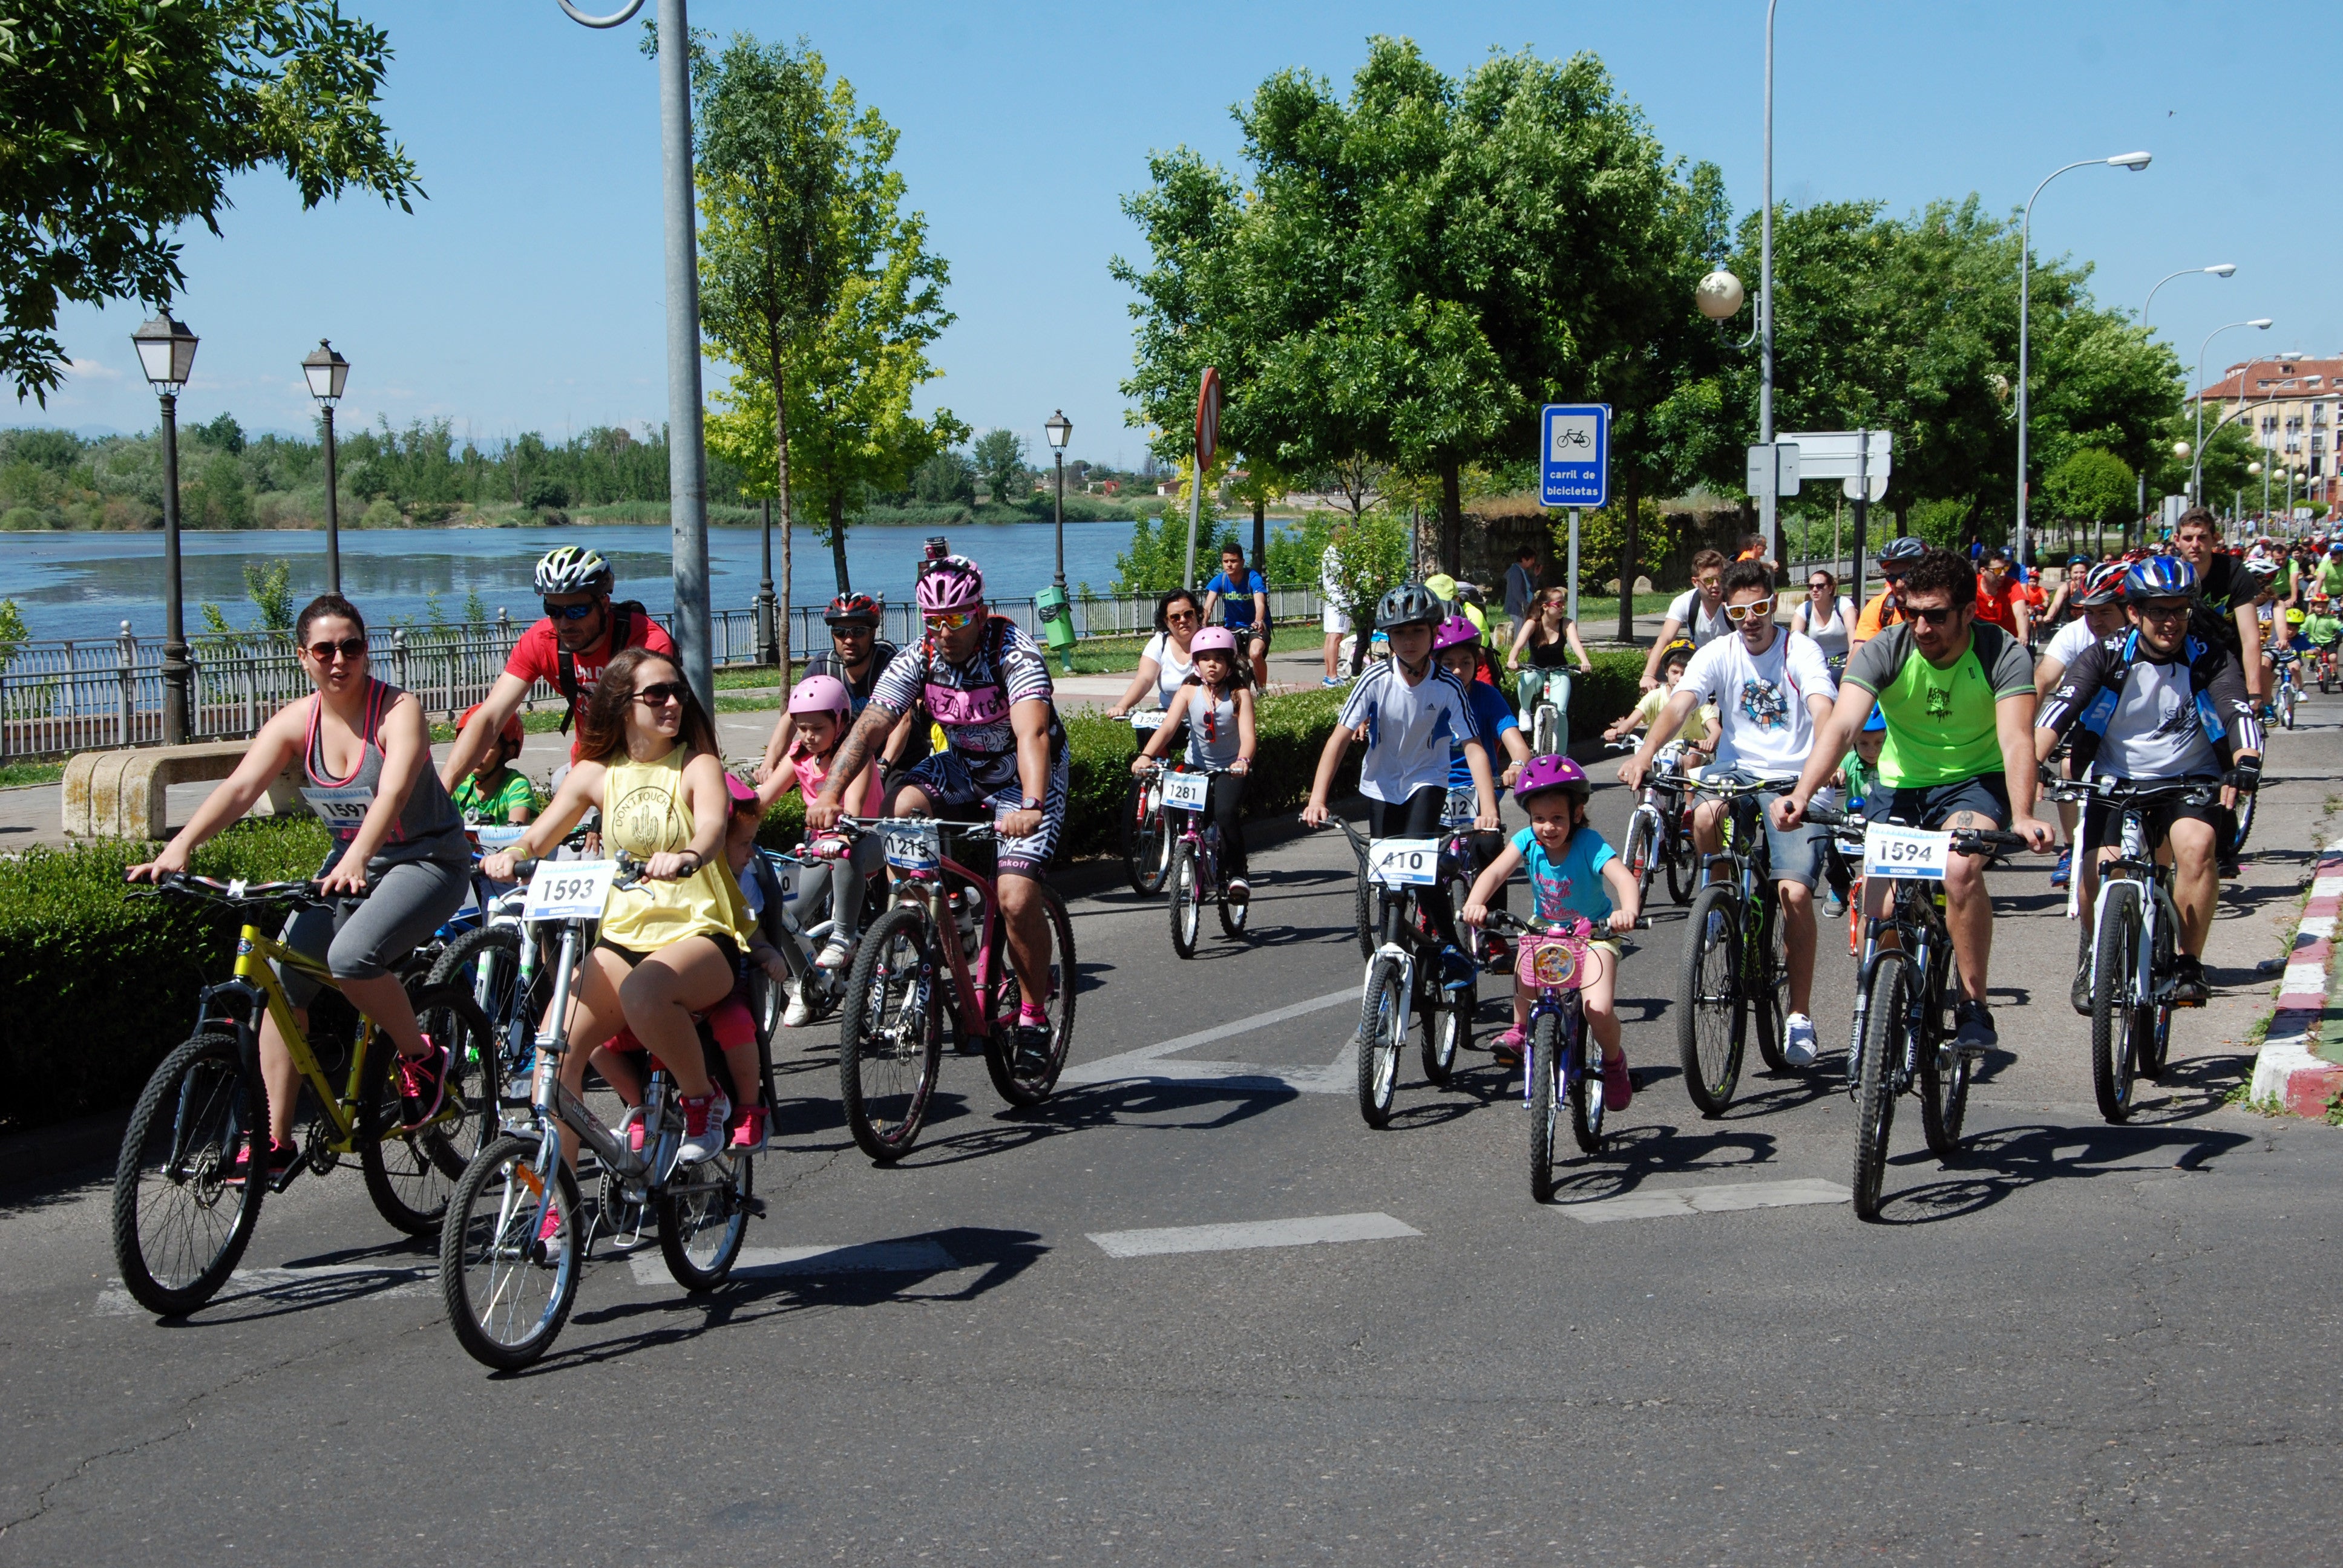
(1958, 698)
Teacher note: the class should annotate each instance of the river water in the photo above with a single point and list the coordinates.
(86, 585)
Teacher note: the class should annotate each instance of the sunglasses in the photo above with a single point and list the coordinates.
(1933, 616)
(2172, 611)
(1820, 586)
(569, 611)
(348, 648)
(658, 694)
(1893, 575)
(1762, 609)
(951, 621)
(1179, 615)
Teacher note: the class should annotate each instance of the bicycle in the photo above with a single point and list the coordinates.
(486, 954)
(1457, 815)
(2288, 692)
(1196, 861)
(1146, 840)
(944, 918)
(1561, 1067)
(1549, 724)
(1736, 959)
(1405, 954)
(181, 1216)
(517, 1230)
(1902, 1034)
(1659, 831)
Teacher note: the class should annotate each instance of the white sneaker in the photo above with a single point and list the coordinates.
(1798, 1044)
(797, 1014)
(704, 1134)
(836, 954)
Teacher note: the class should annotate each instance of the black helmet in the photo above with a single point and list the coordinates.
(1410, 604)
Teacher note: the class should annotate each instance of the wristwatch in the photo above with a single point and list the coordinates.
(1031, 805)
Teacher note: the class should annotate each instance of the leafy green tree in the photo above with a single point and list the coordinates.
(1000, 463)
(125, 118)
(944, 478)
(2092, 486)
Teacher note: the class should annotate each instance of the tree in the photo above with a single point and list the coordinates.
(2092, 486)
(1000, 463)
(125, 119)
(944, 478)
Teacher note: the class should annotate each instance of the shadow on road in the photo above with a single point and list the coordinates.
(2027, 1156)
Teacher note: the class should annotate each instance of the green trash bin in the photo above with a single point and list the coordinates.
(1057, 617)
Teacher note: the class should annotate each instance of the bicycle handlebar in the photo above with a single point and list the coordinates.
(2119, 793)
(941, 824)
(1506, 920)
(235, 889)
(1966, 841)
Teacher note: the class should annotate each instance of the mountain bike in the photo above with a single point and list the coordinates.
(1659, 831)
(1196, 870)
(182, 1215)
(2289, 692)
(518, 1229)
(1400, 974)
(1903, 1033)
(1561, 1067)
(1146, 840)
(1736, 961)
(1457, 815)
(941, 950)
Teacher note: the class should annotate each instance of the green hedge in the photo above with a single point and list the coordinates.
(98, 986)
(1605, 693)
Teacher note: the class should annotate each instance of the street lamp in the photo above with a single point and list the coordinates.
(2260, 324)
(326, 371)
(1771, 502)
(2132, 161)
(1061, 430)
(167, 352)
(2219, 269)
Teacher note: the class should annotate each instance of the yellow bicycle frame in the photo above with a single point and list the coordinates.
(254, 955)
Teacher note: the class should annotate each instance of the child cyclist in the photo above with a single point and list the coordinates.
(818, 706)
(1697, 738)
(1573, 875)
(495, 793)
(1215, 705)
(1408, 710)
(2322, 627)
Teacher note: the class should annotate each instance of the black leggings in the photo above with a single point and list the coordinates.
(1418, 816)
(1225, 802)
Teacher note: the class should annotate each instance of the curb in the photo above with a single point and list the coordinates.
(2286, 1069)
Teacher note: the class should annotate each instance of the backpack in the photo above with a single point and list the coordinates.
(622, 632)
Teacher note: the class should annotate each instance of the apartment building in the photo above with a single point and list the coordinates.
(2294, 410)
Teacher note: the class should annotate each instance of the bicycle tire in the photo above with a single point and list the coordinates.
(1236, 914)
(2245, 811)
(195, 1109)
(1641, 853)
(1447, 1030)
(2286, 708)
(1585, 1076)
(1769, 957)
(1944, 1086)
(1382, 1033)
(884, 1084)
(1541, 1063)
(1712, 1013)
(1683, 863)
(1144, 836)
(1545, 725)
(490, 1261)
(1183, 899)
(2114, 1028)
(1014, 1081)
(1885, 1021)
(2153, 1048)
(686, 1219)
(411, 1175)
(1367, 913)
(486, 962)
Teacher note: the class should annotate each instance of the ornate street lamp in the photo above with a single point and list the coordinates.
(326, 372)
(1061, 430)
(166, 350)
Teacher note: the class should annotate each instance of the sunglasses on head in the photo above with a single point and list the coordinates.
(1762, 609)
(660, 693)
(569, 611)
(348, 648)
(951, 621)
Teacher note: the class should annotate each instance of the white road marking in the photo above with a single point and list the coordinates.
(795, 1262)
(1145, 1065)
(1666, 1202)
(337, 1283)
(1303, 1232)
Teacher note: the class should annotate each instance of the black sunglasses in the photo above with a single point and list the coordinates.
(569, 611)
(658, 694)
(348, 648)
(1933, 616)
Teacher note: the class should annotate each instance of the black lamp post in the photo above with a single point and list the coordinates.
(769, 647)
(326, 371)
(166, 351)
(1061, 430)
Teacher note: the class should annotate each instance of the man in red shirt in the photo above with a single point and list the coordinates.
(1998, 599)
(581, 632)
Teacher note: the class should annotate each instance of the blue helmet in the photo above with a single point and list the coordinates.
(1875, 723)
(2159, 576)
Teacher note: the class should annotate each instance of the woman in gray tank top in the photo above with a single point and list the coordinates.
(363, 756)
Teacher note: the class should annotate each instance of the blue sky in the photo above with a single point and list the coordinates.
(526, 294)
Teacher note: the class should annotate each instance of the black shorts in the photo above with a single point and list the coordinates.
(1929, 806)
(2099, 822)
(631, 956)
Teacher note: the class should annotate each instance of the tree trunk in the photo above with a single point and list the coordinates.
(837, 543)
(1452, 518)
(782, 488)
(1260, 537)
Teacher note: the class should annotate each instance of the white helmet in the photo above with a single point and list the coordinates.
(573, 569)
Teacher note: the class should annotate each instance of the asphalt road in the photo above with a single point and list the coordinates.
(2079, 1344)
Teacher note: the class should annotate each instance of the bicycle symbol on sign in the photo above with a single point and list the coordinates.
(1569, 436)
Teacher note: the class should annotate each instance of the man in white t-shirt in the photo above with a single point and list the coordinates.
(1771, 688)
(1698, 613)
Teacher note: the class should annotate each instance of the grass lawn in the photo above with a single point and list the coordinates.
(15, 774)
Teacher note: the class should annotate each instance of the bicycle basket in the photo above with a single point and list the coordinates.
(1552, 962)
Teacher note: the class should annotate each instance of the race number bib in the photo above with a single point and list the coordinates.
(912, 846)
(1405, 862)
(1464, 806)
(1147, 720)
(1186, 791)
(1893, 851)
(570, 889)
(341, 810)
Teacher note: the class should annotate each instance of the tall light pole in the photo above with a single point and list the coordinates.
(768, 649)
(686, 460)
(326, 372)
(2132, 161)
(2196, 472)
(1061, 430)
(166, 351)
(2219, 269)
(1769, 503)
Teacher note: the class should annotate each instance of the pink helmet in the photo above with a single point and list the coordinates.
(1212, 639)
(820, 694)
(1454, 632)
(1540, 774)
(950, 583)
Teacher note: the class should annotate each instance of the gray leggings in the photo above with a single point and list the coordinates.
(843, 880)
(361, 938)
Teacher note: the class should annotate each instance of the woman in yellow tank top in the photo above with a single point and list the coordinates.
(670, 945)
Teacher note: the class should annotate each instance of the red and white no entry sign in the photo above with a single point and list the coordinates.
(1208, 418)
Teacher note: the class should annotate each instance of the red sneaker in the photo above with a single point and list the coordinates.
(1618, 1089)
(748, 1130)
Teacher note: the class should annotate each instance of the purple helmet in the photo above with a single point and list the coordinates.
(950, 583)
(1540, 774)
(1453, 632)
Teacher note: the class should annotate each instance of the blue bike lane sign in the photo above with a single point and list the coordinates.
(1574, 454)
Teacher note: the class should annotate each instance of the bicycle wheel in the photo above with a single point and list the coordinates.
(1367, 913)
(1768, 962)
(1447, 1030)
(2152, 1045)
(1884, 1026)
(507, 1285)
(1234, 913)
(1545, 729)
(1945, 1076)
(1642, 853)
(1016, 1078)
(2285, 700)
(891, 1038)
(1712, 1014)
(702, 1223)
(2245, 814)
(179, 1226)
(1382, 1033)
(2116, 1021)
(1543, 1065)
(1683, 862)
(1146, 841)
(410, 1171)
(485, 962)
(1584, 1074)
(1183, 899)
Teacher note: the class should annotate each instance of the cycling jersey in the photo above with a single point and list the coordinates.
(1409, 729)
(971, 702)
(1942, 724)
(1492, 717)
(2134, 718)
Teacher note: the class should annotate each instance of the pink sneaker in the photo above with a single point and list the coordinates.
(548, 1235)
(1507, 1048)
(423, 1083)
(1618, 1089)
(749, 1131)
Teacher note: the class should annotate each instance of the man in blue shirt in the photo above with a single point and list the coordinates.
(1243, 599)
